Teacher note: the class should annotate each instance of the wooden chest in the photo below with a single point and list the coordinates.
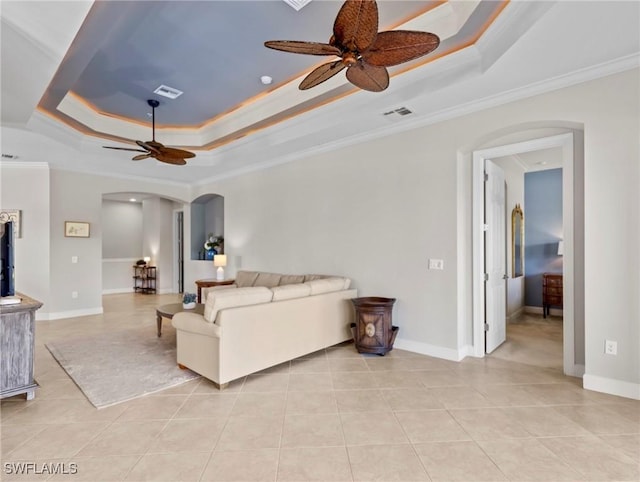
(551, 292)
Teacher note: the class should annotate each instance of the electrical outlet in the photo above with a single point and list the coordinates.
(74, 259)
(74, 294)
(436, 264)
(611, 347)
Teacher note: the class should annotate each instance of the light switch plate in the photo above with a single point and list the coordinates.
(436, 264)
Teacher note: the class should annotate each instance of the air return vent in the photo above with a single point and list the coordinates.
(166, 91)
(400, 111)
(9, 156)
(297, 4)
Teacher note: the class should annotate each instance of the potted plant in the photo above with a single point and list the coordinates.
(189, 301)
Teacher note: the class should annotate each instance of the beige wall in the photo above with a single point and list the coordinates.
(377, 211)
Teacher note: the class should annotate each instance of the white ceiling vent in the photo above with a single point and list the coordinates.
(400, 111)
(167, 91)
(297, 4)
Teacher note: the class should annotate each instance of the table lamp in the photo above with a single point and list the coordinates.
(146, 259)
(220, 260)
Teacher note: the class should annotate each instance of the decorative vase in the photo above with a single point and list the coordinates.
(189, 306)
(210, 253)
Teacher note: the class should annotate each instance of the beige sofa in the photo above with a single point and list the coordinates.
(262, 320)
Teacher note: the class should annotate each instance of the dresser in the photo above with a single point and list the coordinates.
(17, 347)
(551, 292)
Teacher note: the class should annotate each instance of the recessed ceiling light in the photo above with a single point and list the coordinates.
(541, 163)
(133, 199)
(166, 91)
(266, 80)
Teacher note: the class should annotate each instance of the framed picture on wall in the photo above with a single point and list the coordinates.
(75, 229)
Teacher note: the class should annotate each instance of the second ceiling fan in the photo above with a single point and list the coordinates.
(154, 149)
(365, 52)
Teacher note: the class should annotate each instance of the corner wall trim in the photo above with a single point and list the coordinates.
(611, 386)
(68, 314)
(432, 350)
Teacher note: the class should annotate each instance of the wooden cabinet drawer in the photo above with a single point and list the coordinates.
(551, 291)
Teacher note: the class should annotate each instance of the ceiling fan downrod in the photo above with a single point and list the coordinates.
(153, 104)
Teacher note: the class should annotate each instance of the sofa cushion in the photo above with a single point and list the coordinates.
(326, 285)
(219, 300)
(246, 278)
(311, 277)
(290, 279)
(287, 292)
(268, 280)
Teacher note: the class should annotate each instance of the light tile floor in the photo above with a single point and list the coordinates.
(335, 415)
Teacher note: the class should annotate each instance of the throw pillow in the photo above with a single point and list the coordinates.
(268, 280)
(290, 279)
(246, 278)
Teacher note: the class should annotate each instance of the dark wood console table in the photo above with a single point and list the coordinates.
(17, 337)
(551, 292)
(207, 283)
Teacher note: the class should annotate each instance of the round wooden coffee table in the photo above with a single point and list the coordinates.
(167, 311)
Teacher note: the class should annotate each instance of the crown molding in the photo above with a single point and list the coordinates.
(577, 77)
(24, 165)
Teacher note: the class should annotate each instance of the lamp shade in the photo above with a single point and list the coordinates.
(220, 260)
(146, 259)
(560, 248)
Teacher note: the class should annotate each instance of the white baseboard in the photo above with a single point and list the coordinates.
(432, 350)
(611, 386)
(516, 314)
(68, 314)
(537, 310)
(115, 291)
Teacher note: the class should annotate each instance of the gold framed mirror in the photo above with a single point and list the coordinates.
(517, 242)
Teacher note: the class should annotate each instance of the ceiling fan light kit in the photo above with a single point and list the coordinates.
(363, 51)
(155, 150)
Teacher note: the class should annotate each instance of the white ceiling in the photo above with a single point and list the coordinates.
(531, 47)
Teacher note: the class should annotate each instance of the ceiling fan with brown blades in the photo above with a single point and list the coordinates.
(365, 52)
(154, 149)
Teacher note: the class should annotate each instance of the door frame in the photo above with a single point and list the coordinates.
(176, 247)
(566, 143)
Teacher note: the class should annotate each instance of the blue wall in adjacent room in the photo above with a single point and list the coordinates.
(543, 230)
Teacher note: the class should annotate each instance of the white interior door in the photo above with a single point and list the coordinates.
(495, 257)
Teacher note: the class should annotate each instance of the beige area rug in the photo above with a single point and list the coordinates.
(115, 367)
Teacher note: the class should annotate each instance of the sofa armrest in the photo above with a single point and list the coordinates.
(206, 291)
(195, 323)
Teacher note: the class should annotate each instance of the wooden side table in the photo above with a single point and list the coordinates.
(207, 283)
(373, 331)
(551, 292)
